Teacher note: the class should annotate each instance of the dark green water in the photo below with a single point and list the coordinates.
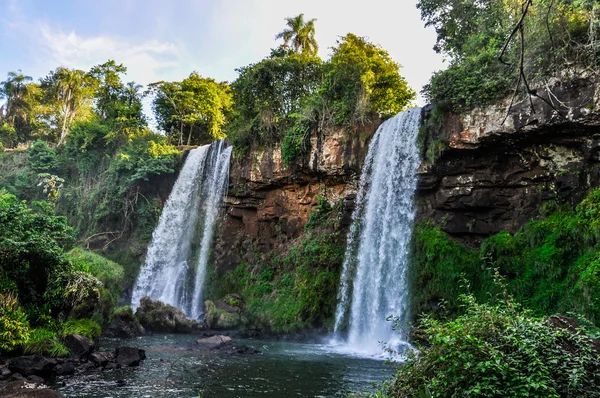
(283, 369)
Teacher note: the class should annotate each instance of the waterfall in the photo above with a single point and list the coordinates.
(374, 277)
(179, 250)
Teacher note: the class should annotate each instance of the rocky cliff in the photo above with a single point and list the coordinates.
(491, 170)
(495, 168)
(268, 203)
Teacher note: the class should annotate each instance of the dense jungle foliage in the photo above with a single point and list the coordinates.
(495, 48)
(45, 292)
(550, 265)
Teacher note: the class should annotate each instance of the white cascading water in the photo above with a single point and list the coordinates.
(194, 200)
(374, 282)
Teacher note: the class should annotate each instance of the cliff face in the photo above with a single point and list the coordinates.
(493, 171)
(499, 167)
(268, 204)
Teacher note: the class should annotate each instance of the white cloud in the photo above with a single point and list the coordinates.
(146, 62)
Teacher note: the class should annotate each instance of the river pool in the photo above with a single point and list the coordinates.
(282, 369)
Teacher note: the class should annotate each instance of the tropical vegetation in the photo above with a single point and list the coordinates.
(499, 48)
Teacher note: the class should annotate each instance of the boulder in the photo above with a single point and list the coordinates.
(26, 389)
(560, 321)
(129, 356)
(159, 317)
(65, 368)
(124, 324)
(101, 359)
(79, 345)
(4, 373)
(214, 342)
(33, 365)
(225, 313)
(570, 324)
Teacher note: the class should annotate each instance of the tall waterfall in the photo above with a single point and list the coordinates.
(176, 260)
(374, 281)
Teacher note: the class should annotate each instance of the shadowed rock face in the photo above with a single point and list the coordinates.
(494, 176)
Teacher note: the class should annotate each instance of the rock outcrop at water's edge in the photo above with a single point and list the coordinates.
(158, 317)
(491, 176)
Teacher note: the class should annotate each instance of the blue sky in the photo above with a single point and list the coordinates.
(168, 39)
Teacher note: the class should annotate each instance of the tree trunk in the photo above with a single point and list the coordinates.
(190, 135)
(63, 132)
(181, 132)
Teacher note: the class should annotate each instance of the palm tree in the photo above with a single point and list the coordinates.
(300, 34)
(14, 89)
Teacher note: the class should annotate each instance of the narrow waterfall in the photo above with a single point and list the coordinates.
(176, 260)
(374, 281)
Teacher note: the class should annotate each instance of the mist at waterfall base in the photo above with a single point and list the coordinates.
(374, 282)
(176, 260)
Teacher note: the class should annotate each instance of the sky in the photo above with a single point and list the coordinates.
(168, 39)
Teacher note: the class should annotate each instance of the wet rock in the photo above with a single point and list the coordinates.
(129, 356)
(4, 373)
(560, 321)
(497, 171)
(16, 377)
(225, 313)
(35, 379)
(124, 324)
(26, 389)
(246, 350)
(101, 359)
(269, 203)
(79, 345)
(159, 317)
(65, 368)
(32, 365)
(213, 342)
(110, 366)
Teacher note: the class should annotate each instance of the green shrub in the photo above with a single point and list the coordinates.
(108, 272)
(41, 158)
(84, 327)
(294, 290)
(40, 341)
(14, 328)
(551, 264)
(435, 151)
(32, 240)
(324, 213)
(58, 350)
(438, 266)
(497, 350)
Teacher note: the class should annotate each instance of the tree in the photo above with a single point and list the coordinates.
(197, 105)
(71, 90)
(118, 104)
(14, 89)
(300, 34)
(269, 92)
(363, 79)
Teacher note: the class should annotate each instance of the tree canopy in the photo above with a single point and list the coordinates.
(196, 107)
(494, 46)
